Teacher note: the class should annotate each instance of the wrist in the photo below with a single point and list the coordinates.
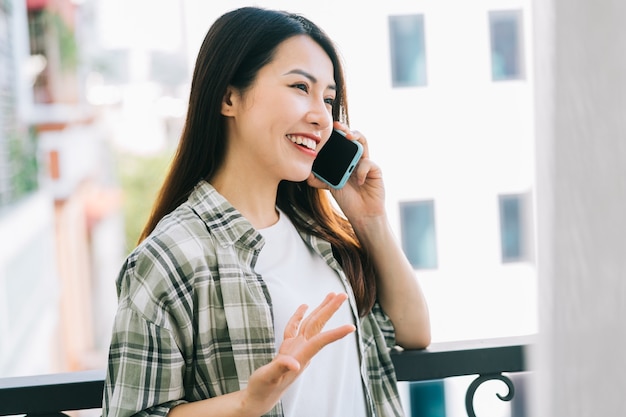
(372, 230)
(245, 405)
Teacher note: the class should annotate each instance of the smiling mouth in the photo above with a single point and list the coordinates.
(302, 141)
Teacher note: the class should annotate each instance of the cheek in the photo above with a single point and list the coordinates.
(330, 120)
(327, 132)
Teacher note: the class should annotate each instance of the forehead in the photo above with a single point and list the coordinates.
(303, 53)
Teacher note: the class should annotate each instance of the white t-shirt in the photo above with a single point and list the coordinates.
(331, 385)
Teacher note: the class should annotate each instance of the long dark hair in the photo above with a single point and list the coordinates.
(235, 48)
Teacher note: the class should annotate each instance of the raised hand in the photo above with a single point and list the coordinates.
(303, 339)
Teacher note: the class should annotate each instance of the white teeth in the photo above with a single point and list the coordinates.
(301, 140)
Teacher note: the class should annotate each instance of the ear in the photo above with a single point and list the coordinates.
(228, 106)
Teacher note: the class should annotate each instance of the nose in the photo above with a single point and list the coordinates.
(319, 114)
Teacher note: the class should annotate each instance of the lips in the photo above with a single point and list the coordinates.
(303, 141)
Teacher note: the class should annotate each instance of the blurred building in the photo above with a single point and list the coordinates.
(57, 194)
(28, 279)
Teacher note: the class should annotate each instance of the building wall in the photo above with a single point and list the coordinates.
(581, 196)
(28, 285)
(461, 141)
(53, 253)
(29, 289)
(6, 96)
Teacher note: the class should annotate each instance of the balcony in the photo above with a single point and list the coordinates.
(502, 359)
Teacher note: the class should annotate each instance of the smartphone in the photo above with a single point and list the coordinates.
(336, 160)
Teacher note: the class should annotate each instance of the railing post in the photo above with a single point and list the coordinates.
(428, 399)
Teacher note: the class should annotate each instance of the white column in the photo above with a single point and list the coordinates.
(580, 357)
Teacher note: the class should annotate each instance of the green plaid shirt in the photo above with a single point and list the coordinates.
(194, 320)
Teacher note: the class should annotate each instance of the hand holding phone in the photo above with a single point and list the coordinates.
(336, 160)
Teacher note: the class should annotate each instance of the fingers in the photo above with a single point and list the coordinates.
(313, 324)
(354, 135)
(365, 169)
(291, 329)
(321, 340)
(330, 336)
(318, 318)
(304, 338)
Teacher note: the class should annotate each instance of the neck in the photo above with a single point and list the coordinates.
(255, 199)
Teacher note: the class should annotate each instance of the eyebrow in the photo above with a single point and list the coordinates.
(309, 76)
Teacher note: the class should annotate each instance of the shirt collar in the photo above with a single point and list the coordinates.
(224, 221)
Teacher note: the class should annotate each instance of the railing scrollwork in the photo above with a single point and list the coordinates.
(471, 390)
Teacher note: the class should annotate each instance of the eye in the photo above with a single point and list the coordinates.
(301, 86)
(330, 101)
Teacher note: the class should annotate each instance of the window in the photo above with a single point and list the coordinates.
(507, 59)
(512, 228)
(408, 55)
(418, 233)
(37, 39)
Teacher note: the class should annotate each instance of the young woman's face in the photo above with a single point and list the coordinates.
(276, 127)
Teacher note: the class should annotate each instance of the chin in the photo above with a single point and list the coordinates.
(296, 179)
(298, 175)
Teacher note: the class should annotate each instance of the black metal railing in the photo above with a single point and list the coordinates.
(51, 395)
(489, 359)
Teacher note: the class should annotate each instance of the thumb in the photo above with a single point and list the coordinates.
(278, 367)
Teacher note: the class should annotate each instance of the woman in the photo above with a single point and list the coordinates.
(212, 316)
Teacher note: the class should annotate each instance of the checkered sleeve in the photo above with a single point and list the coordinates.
(145, 368)
(378, 338)
(386, 327)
